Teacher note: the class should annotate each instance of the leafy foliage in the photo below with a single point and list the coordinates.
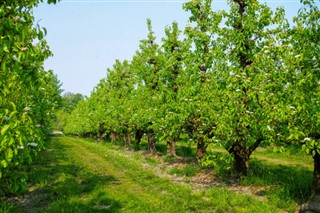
(237, 78)
(28, 93)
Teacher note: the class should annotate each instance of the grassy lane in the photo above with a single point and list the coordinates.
(74, 175)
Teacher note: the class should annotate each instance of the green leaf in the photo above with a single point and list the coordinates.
(3, 66)
(5, 49)
(4, 129)
(40, 35)
(9, 154)
(13, 114)
(4, 164)
(14, 107)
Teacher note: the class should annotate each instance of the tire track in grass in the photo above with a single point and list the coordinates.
(132, 182)
(100, 164)
(135, 188)
(75, 175)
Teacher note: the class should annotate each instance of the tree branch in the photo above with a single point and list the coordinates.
(255, 145)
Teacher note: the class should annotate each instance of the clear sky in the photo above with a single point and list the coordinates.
(87, 36)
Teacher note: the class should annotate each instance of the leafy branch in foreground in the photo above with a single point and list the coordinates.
(28, 93)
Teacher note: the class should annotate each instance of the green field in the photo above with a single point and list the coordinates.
(77, 175)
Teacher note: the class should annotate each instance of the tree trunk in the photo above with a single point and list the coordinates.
(127, 138)
(241, 164)
(171, 146)
(201, 149)
(151, 141)
(138, 136)
(242, 155)
(107, 136)
(313, 205)
(241, 159)
(101, 131)
(113, 136)
(316, 175)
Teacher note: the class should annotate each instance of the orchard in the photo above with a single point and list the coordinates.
(236, 78)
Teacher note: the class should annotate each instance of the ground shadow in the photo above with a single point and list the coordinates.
(54, 182)
(290, 182)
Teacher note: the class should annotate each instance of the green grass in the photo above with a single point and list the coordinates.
(286, 175)
(77, 175)
(188, 171)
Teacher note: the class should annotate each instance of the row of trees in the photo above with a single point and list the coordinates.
(28, 93)
(68, 103)
(237, 78)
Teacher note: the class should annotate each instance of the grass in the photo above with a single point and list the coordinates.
(286, 175)
(77, 175)
(188, 171)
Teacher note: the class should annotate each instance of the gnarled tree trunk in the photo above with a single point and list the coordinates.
(113, 136)
(138, 136)
(313, 205)
(201, 149)
(241, 156)
(127, 138)
(171, 146)
(151, 141)
(241, 164)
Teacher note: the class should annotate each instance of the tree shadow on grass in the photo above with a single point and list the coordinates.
(59, 185)
(183, 149)
(286, 182)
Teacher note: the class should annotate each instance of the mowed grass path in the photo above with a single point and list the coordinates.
(75, 175)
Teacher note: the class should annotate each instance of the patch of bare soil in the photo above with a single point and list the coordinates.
(204, 178)
(31, 201)
(154, 156)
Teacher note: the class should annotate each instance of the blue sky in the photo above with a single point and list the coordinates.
(86, 36)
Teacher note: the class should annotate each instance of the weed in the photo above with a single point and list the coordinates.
(169, 159)
(151, 161)
(220, 162)
(8, 207)
(185, 151)
(189, 171)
